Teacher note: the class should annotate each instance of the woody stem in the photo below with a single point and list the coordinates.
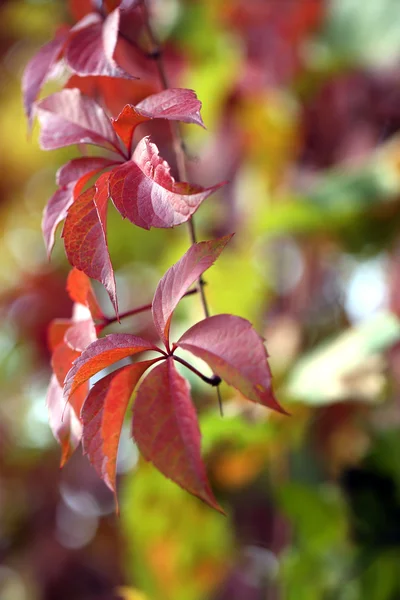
(135, 311)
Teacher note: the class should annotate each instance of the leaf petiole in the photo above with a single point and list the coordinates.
(214, 380)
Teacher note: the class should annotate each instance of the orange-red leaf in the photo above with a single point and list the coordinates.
(101, 354)
(167, 433)
(85, 239)
(174, 104)
(80, 290)
(103, 415)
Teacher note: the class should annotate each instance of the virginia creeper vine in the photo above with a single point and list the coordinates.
(139, 183)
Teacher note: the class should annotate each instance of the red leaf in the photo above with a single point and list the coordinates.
(38, 69)
(85, 239)
(56, 331)
(80, 290)
(171, 104)
(80, 335)
(68, 118)
(63, 420)
(102, 354)
(167, 433)
(144, 191)
(178, 279)
(72, 177)
(235, 352)
(103, 415)
(90, 50)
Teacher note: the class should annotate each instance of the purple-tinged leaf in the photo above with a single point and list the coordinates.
(178, 279)
(80, 290)
(54, 213)
(144, 191)
(167, 433)
(173, 104)
(85, 239)
(102, 354)
(234, 351)
(38, 70)
(90, 50)
(76, 168)
(129, 4)
(103, 415)
(64, 423)
(68, 118)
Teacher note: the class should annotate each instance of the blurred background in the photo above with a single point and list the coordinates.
(301, 99)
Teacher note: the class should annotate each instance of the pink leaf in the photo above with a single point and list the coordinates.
(85, 239)
(38, 69)
(129, 4)
(103, 415)
(234, 351)
(167, 433)
(102, 354)
(80, 290)
(76, 168)
(63, 420)
(175, 104)
(144, 191)
(172, 104)
(90, 50)
(68, 118)
(54, 213)
(178, 279)
(80, 335)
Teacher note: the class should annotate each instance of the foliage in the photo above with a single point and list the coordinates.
(301, 100)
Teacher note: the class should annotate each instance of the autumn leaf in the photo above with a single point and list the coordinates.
(144, 191)
(177, 280)
(85, 238)
(102, 354)
(103, 415)
(167, 433)
(234, 351)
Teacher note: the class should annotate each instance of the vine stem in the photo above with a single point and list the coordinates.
(179, 151)
(135, 311)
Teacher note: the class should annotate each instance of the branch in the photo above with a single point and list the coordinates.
(135, 311)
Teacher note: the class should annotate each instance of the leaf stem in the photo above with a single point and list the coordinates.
(179, 151)
(214, 380)
(135, 311)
